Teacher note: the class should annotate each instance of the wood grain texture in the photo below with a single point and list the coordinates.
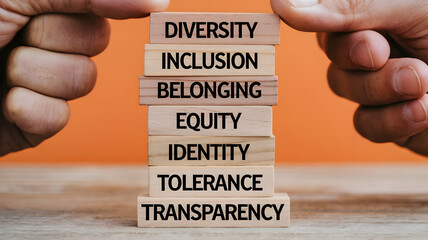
(264, 178)
(253, 121)
(281, 202)
(261, 151)
(328, 202)
(268, 88)
(153, 60)
(267, 30)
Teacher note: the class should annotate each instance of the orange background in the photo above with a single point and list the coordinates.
(311, 124)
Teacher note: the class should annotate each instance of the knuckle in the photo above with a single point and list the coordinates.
(99, 35)
(364, 125)
(388, 127)
(333, 44)
(83, 78)
(14, 65)
(36, 113)
(369, 93)
(34, 33)
(86, 34)
(379, 124)
(359, 123)
(57, 119)
(13, 106)
(332, 81)
(330, 47)
(321, 39)
(52, 116)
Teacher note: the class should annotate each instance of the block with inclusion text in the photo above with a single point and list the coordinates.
(208, 60)
(214, 28)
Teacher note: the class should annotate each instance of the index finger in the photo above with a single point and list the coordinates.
(117, 9)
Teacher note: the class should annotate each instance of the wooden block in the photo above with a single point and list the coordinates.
(249, 90)
(191, 181)
(210, 120)
(214, 212)
(208, 60)
(209, 150)
(224, 28)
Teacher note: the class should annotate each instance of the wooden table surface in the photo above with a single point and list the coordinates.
(382, 202)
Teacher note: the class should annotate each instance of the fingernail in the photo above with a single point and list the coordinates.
(361, 55)
(303, 3)
(416, 111)
(407, 82)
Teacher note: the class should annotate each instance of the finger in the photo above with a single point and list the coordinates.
(347, 15)
(10, 24)
(393, 48)
(118, 9)
(363, 50)
(60, 75)
(15, 13)
(417, 143)
(393, 122)
(320, 39)
(399, 80)
(37, 115)
(72, 33)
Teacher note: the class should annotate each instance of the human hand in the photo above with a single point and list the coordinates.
(48, 63)
(379, 54)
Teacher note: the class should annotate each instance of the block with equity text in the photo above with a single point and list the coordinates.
(211, 181)
(210, 120)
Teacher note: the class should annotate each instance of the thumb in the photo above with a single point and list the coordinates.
(349, 15)
(14, 14)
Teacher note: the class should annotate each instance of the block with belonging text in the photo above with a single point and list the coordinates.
(218, 91)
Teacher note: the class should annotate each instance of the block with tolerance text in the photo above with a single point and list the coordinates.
(214, 212)
(208, 60)
(214, 28)
(210, 121)
(223, 90)
(195, 181)
(210, 151)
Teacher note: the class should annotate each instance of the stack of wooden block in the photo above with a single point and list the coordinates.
(210, 85)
